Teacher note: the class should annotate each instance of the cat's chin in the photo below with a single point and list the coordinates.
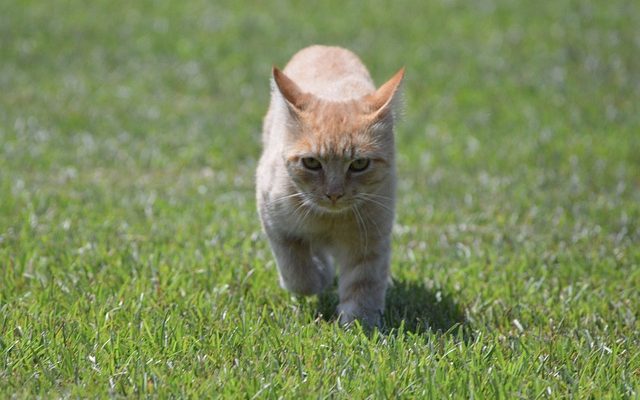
(332, 209)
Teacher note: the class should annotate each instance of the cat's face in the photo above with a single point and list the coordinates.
(339, 155)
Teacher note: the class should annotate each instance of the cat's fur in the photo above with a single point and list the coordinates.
(325, 107)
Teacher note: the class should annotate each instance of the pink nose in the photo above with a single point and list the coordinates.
(334, 196)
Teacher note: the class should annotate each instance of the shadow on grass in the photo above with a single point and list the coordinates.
(421, 309)
(412, 306)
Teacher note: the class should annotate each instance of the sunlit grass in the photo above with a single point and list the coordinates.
(131, 258)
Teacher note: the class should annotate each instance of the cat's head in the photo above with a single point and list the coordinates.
(339, 154)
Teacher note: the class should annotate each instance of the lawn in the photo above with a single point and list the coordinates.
(131, 257)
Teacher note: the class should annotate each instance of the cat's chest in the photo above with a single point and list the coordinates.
(339, 229)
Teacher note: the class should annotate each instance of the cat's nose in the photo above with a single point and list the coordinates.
(334, 196)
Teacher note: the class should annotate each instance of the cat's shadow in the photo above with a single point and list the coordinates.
(410, 305)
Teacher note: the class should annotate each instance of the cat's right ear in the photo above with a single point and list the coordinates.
(297, 100)
(384, 101)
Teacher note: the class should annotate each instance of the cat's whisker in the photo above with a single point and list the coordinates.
(373, 220)
(306, 207)
(376, 195)
(296, 194)
(307, 213)
(302, 211)
(360, 221)
(290, 196)
(382, 204)
(286, 211)
(353, 210)
(364, 198)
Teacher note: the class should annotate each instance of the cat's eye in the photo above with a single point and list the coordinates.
(359, 164)
(311, 163)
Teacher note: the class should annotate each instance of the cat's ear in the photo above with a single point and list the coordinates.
(297, 100)
(384, 101)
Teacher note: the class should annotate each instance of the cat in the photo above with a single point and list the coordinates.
(326, 179)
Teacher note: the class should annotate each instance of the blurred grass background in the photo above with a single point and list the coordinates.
(130, 251)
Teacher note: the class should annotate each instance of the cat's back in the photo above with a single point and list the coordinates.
(329, 72)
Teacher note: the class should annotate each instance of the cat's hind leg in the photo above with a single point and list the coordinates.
(301, 271)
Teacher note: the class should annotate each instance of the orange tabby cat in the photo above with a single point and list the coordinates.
(326, 179)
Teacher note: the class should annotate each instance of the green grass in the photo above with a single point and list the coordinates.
(131, 258)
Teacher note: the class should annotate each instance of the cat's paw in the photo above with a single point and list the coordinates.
(350, 312)
(312, 283)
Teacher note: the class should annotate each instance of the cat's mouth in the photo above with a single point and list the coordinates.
(330, 207)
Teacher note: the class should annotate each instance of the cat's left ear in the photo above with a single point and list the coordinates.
(384, 101)
(297, 100)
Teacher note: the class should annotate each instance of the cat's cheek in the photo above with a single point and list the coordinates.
(297, 175)
(374, 179)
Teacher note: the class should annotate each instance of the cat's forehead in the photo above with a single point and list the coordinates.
(340, 146)
(336, 118)
(337, 129)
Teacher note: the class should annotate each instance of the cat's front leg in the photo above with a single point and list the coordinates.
(362, 287)
(300, 271)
